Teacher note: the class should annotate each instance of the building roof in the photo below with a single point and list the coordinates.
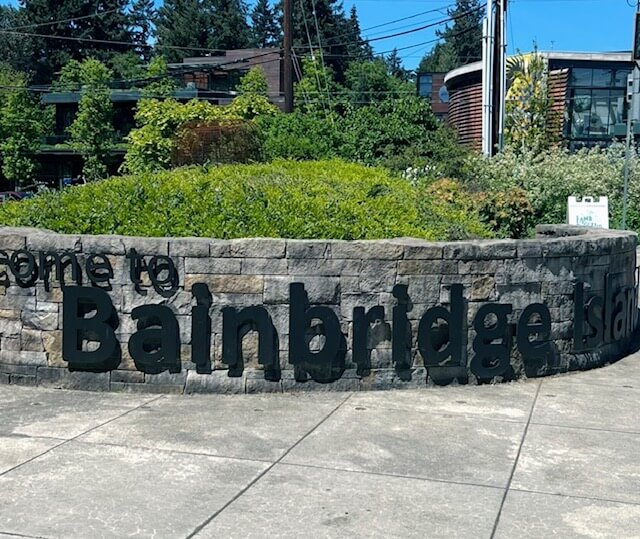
(619, 56)
(117, 96)
(232, 59)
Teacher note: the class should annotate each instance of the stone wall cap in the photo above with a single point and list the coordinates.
(543, 232)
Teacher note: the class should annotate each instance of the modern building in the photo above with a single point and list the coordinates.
(431, 86)
(218, 76)
(587, 91)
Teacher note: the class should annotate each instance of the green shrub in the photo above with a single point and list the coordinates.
(451, 211)
(330, 199)
(396, 133)
(509, 214)
(388, 130)
(549, 177)
(301, 135)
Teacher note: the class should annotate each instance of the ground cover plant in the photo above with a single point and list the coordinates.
(313, 199)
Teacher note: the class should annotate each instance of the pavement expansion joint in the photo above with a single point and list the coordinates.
(515, 462)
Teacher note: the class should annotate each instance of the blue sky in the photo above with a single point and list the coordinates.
(562, 25)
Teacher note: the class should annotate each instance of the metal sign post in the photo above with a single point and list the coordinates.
(633, 111)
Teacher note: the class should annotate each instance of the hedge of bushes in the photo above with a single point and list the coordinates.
(314, 199)
(530, 188)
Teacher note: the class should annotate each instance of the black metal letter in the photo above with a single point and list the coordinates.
(361, 330)
(401, 336)
(324, 365)
(235, 324)
(156, 345)
(77, 301)
(437, 343)
(24, 268)
(491, 359)
(201, 329)
(540, 348)
(594, 308)
(60, 261)
(99, 269)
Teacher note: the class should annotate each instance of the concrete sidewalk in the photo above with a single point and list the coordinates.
(554, 457)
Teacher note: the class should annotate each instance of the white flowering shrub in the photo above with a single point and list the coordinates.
(548, 178)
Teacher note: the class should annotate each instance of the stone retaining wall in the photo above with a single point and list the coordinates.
(550, 270)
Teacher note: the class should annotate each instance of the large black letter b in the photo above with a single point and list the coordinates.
(327, 364)
(77, 302)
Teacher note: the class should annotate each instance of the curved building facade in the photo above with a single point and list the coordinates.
(587, 92)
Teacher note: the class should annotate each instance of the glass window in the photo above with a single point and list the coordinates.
(425, 86)
(620, 78)
(580, 113)
(602, 78)
(599, 117)
(581, 76)
(617, 110)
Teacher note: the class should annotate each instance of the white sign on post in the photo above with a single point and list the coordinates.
(588, 212)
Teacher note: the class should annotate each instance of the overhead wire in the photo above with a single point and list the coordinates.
(61, 21)
(388, 23)
(324, 67)
(306, 27)
(244, 59)
(111, 41)
(298, 71)
(419, 28)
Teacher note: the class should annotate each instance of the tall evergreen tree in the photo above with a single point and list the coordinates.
(462, 39)
(182, 23)
(395, 67)
(465, 32)
(229, 27)
(358, 48)
(441, 59)
(334, 28)
(16, 50)
(265, 29)
(142, 18)
(201, 24)
(103, 20)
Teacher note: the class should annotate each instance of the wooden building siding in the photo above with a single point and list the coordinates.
(465, 109)
(439, 108)
(558, 84)
(465, 113)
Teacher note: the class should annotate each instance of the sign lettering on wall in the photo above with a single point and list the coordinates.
(90, 323)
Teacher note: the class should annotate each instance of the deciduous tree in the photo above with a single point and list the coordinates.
(22, 122)
(92, 133)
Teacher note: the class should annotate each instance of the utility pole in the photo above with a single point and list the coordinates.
(500, 73)
(633, 110)
(494, 73)
(487, 79)
(287, 27)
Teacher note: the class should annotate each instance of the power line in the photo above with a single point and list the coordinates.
(388, 23)
(71, 19)
(324, 67)
(420, 28)
(415, 45)
(409, 17)
(306, 27)
(110, 41)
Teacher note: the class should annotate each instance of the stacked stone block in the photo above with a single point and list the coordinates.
(339, 274)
